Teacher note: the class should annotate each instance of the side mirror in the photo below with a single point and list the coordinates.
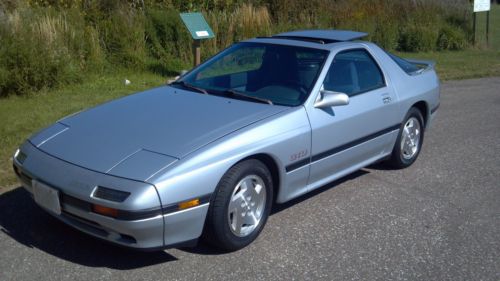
(330, 98)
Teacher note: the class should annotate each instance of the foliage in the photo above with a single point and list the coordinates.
(44, 49)
(46, 43)
(451, 38)
(166, 40)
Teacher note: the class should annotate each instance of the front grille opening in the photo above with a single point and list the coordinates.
(124, 238)
(97, 230)
(92, 223)
(86, 225)
(75, 202)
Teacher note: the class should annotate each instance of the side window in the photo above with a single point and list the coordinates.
(353, 72)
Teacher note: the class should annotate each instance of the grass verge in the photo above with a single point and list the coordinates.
(22, 116)
(480, 61)
(453, 65)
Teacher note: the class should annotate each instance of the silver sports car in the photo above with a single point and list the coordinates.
(262, 122)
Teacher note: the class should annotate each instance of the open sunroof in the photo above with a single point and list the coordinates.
(322, 36)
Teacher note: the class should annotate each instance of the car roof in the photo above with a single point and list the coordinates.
(320, 39)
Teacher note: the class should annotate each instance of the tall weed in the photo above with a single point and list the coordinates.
(45, 43)
(122, 35)
(41, 49)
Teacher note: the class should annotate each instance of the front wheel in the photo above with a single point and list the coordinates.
(240, 206)
(409, 141)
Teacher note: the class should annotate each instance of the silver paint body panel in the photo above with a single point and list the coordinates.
(166, 145)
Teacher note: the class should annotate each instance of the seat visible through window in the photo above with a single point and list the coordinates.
(353, 72)
(342, 77)
(278, 68)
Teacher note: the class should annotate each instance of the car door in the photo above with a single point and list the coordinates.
(347, 137)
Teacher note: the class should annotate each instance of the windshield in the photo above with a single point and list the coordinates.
(259, 72)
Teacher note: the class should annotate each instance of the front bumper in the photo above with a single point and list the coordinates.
(148, 225)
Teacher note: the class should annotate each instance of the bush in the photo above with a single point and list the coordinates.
(416, 37)
(244, 22)
(123, 37)
(45, 43)
(167, 41)
(38, 50)
(451, 38)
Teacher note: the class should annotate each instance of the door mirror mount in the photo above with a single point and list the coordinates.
(331, 98)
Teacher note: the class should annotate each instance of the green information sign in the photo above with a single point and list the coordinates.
(197, 26)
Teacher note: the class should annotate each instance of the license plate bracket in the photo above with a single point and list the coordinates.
(47, 197)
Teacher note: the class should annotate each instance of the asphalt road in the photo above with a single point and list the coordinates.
(437, 220)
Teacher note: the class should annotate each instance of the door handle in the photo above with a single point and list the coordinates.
(386, 100)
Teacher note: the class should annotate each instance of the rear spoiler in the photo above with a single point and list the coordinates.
(423, 65)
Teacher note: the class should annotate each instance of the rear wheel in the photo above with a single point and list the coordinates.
(409, 141)
(240, 206)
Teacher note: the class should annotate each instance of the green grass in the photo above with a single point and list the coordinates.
(479, 61)
(22, 116)
(453, 65)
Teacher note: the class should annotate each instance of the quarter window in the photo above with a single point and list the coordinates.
(353, 72)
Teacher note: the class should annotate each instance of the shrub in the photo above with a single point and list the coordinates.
(451, 38)
(45, 43)
(36, 51)
(416, 37)
(167, 41)
(244, 22)
(251, 21)
(123, 36)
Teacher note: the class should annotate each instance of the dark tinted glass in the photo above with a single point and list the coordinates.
(353, 72)
(407, 66)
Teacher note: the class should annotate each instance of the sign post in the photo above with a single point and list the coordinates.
(199, 29)
(482, 6)
(197, 52)
(488, 28)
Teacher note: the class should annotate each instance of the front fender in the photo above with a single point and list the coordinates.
(199, 173)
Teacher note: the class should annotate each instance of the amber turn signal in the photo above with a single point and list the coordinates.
(189, 204)
(105, 211)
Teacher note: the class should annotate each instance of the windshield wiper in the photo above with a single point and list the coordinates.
(189, 86)
(238, 94)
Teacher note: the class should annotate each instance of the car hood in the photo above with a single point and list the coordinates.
(140, 134)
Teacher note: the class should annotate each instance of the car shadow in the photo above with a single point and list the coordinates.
(25, 222)
(205, 249)
(280, 207)
(381, 166)
(28, 224)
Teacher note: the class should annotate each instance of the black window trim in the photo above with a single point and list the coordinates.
(376, 64)
(391, 56)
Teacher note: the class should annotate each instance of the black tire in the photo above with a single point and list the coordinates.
(218, 230)
(398, 159)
